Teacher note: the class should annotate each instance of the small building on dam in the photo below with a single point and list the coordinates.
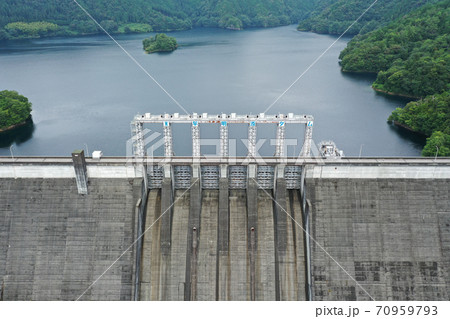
(224, 228)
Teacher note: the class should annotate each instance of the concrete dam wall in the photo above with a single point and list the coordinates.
(54, 243)
(379, 229)
(392, 236)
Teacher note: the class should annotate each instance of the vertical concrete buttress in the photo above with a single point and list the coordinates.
(223, 239)
(151, 257)
(194, 232)
(207, 246)
(165, 236)
(281, 238)
(239, 276)
(265, 252)
(166, 218)
(252, 221)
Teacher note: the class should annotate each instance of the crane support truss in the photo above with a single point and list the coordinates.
(195, 139)
(224, 139)
(279, 150)
(306, 149)
(224, 120)
(168, 143)
(139, 143)
(252, 139)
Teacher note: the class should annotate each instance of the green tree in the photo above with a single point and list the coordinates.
(109, 25)
(3, 35)
(14, 109)
(438, 143)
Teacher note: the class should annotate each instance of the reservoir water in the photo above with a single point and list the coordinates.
(85, 91)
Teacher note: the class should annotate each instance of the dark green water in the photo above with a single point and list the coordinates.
(86, 90)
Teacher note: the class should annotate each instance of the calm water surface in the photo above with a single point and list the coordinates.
(85, 91)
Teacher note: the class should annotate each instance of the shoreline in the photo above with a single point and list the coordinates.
(380, 90)
(395, 94)
(75, 35)
(406, 127)
(12, 127)
(358, 72)
(160, 51)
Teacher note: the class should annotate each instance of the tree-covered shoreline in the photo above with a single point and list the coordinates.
(334, 17)
(15, 110)
(127, 16)
(411, 58)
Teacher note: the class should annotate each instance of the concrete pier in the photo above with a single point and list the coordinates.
(265, 256)
(298, 239)
(193, 233)
(178, 253)
(223, 239)
(207, 250)
(252, 232)
(239, 270)
(166, 216)
(151, 257)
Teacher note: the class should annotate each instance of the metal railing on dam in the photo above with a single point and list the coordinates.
(236, 169)
(211, 160)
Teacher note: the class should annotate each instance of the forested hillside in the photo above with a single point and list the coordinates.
(144, 15)
(335, 16)
(412, 58)
(411, 53)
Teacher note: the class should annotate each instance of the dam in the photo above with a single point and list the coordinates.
(224, 228)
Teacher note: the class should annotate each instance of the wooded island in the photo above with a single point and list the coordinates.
(160, 43)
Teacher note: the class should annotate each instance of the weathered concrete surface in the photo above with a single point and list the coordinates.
(215, 273)
(177, 264)
(252, 233)
(390, 235)
(54, 243)
(193, 233)
(239, 288)
(163, 276)
(151, 249)
(298, 248)
(223, 229)
(289, 226)
(386, 224)
(380, 171)
(265, 259)
(207, 249)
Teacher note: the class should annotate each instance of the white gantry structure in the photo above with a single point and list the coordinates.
(224, 120)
